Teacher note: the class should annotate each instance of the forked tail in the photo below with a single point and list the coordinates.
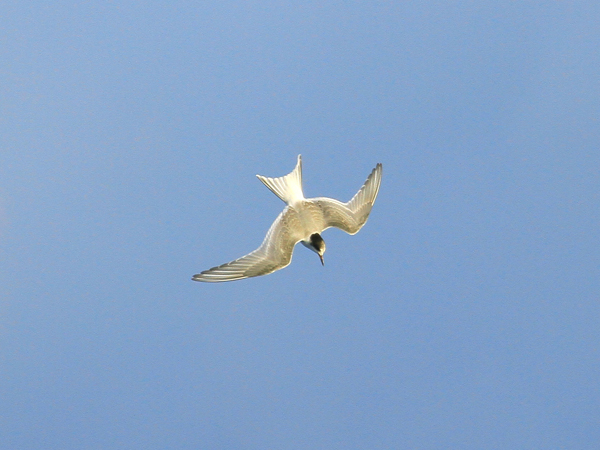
(289, 187)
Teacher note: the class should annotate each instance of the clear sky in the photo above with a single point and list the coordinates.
(464, 315)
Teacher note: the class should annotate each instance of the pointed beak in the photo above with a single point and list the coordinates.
(321, 258)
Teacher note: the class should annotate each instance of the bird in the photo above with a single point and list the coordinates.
(302, 220)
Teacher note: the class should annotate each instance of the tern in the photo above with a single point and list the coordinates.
(302, 220)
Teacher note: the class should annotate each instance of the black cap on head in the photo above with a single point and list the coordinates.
(318, 245)
(317, 241)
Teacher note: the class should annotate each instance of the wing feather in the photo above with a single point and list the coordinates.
(274, 253)
(351, 216)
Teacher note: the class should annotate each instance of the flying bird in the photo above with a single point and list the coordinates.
(302, 220)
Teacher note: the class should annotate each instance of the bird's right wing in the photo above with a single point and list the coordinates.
(351, 216)
(274, 253)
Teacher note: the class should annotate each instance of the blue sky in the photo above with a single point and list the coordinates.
(464, 315)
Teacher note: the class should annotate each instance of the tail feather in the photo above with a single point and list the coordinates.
(289, 187)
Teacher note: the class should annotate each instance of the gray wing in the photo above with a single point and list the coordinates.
(274, 253)
(351, 216)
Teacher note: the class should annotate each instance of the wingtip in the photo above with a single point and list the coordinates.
(378, 168)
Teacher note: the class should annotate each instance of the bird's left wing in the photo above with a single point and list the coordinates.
(274, 253)
(351, 216)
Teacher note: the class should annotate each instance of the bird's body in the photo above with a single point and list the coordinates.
(302, 220)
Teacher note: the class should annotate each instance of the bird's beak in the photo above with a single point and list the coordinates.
(321, 258)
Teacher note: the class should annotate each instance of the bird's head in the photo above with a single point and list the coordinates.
(316, 244)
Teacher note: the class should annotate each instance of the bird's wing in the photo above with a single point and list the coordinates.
(274, 253)
(351, 216)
